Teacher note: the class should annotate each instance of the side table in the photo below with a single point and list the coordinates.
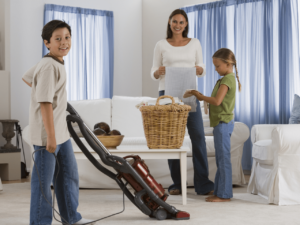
(10, 164)
(145, 153)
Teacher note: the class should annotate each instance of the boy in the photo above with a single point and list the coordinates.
(49, 133)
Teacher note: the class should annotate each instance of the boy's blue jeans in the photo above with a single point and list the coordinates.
(196, 131)
(66, 186)
(223, 180)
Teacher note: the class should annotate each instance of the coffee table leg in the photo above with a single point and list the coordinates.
(183, 172)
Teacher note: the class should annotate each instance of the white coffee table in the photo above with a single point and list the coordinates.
(145, 153)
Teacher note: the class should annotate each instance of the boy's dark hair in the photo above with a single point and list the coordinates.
(51, 26)
(175, 12)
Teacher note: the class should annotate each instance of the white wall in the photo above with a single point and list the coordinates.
(4, 101)
(26, 46)
(4, 74)
(155, 18)
(2, 28)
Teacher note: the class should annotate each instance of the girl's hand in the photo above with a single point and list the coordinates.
(197, 94)
(187, 94)
(51, 144)
(161, 71)
(199, 70)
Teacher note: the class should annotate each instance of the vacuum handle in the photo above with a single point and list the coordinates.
(71, 110)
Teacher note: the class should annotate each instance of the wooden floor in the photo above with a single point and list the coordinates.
(247, 177)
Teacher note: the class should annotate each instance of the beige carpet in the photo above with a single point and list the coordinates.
(243, 209)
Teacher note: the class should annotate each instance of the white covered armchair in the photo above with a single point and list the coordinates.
(275, 173)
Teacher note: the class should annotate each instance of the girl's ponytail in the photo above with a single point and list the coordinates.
(237, 77)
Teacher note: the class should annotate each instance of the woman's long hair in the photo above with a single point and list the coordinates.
(186, 30)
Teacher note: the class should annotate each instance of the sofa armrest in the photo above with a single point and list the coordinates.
(240, 133)
(262, 132)
(286, 139)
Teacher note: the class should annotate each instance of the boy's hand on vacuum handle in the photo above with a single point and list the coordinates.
(161, 71)
(51, 144)
(199, 70)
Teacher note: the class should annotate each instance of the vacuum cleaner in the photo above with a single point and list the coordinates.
(148, 196)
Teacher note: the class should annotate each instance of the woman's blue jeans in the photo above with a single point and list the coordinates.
(196, 132)
(223, 180)
(66, 185)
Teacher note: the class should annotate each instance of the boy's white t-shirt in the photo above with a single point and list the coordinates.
(48, 79)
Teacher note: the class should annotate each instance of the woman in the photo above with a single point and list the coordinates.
(177, 50)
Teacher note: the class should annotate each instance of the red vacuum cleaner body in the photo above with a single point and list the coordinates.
(142, 169)
(139, 165)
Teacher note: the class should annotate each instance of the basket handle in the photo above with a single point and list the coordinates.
(165, 96)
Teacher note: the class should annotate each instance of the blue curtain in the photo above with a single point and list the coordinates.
(264, 36)
(90, 62)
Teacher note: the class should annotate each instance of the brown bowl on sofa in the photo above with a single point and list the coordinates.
(111, 141)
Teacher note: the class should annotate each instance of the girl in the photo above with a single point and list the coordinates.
(177, 50)
(221, 105)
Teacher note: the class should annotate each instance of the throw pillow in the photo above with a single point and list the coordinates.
(295, 115)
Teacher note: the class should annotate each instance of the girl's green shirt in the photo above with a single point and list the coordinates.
(223, 112)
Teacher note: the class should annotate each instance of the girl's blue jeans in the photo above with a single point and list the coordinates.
(196, 131)
(223, 180)
(66, 185)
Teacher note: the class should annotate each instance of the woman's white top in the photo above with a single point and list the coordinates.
(167, 55)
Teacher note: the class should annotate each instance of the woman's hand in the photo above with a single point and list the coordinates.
(161, 71)
(199, 70)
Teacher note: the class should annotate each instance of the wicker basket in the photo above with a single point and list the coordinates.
(164, 125)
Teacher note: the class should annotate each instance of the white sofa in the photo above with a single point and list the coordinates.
(121, 114)
(276, 168)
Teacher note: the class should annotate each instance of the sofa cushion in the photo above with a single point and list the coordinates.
(126, 117)
(206, 122)
(208, 131)
(93, 111)
(262, 152)
(210, 146)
